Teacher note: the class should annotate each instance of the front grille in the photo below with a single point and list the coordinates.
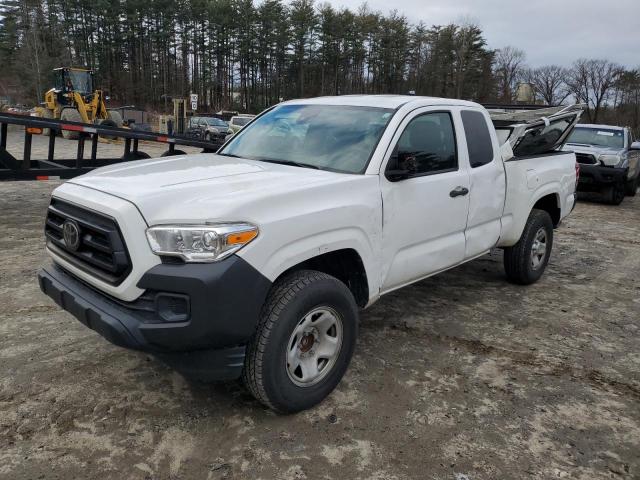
(101, 250)
(585, 158)
(217, 137)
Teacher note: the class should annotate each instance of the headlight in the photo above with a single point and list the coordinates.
(609, 160)
(200, 243)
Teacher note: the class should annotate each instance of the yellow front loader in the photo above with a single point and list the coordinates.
(73, 99)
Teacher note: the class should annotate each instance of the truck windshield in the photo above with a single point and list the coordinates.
(328, 137)
(597, 136)
(79, 81)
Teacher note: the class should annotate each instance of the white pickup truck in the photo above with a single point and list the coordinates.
(254, 261)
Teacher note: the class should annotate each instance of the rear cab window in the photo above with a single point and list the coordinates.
(479, 142)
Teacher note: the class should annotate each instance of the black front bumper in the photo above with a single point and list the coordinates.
(594, 177)
(223, 302)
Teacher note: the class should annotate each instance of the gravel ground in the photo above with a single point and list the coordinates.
(462, 377)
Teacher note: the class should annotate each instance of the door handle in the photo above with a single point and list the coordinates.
(458, 192)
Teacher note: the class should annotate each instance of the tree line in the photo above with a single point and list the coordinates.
(248, 55)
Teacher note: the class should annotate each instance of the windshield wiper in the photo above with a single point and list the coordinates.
(287, 162)
(230, 155)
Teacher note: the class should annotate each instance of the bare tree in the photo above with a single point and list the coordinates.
(592, 82)
(509, 68)
(549, 83)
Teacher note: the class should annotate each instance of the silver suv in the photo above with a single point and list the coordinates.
(210, 129)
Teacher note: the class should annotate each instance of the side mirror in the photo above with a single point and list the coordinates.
(395, 168)
(635, 146)
(397, 175)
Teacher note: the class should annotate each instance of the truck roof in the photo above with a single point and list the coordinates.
(383, 101)
(593, 125)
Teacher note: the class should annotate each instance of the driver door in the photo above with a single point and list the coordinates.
(425, 199)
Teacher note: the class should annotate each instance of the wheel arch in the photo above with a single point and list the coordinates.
(550, 203)
(546, 199)
(281, 250)
(345, 264)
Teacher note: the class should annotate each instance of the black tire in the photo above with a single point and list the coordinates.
(48, 114)
(115, 117)
(137, 155)
(107, 122)
(70, 115)
(614, 194)
(518, 260)
(266, 372)
(631, 187)
(174, 153)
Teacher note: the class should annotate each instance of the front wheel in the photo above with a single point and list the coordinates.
(304, 341)
(525, 262)
(632, 187)
(70, 115)
(614, 194)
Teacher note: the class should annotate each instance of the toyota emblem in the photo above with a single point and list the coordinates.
(71, 235)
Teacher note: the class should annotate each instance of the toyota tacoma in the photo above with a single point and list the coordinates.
(255, 262)
(609, 160)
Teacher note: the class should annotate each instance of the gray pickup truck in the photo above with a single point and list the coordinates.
(609, 160)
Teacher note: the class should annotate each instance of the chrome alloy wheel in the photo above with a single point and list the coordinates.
(314, 346)
(539, 249)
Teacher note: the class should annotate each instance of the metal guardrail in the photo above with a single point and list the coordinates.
(28, 168)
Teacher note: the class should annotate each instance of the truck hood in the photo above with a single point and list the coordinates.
(204, 187)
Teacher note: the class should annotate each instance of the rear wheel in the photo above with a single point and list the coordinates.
(304, 341)
(116, 118)
(70, 115)
(614, 194)
(107, 122)
(525, 262)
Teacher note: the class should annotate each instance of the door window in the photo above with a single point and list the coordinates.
(479, 142)
(427, 146)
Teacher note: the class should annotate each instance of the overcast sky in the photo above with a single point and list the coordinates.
(549, 31)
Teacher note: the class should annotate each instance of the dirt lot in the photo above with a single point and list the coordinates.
(461, 377)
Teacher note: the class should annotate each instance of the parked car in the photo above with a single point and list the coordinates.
(239, 121)
(210, 129)
(609, 160)
(255, 261)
